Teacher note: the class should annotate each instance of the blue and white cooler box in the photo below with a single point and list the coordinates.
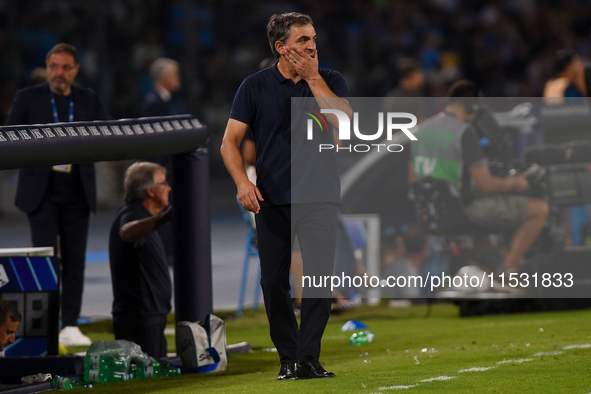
(202, 346)
(29, 278)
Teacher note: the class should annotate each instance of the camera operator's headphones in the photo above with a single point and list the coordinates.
(467, 93)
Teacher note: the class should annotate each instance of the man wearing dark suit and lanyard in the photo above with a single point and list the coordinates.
(58, 199)
(263, 103)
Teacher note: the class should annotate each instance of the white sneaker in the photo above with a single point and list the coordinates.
(72, 336)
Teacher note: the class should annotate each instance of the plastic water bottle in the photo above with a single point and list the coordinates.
(90, 362)
(137, 371)
(113, 362)
(119, 360)
(61, 382)
(170, 370)
(140, 361)
(110, 367)
(361, 338)
(97, 362)
(155, 370)
(98, 376)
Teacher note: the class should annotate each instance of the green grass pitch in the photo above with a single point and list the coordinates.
(546, 352)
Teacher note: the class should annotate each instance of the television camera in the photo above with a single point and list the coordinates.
(558, 173)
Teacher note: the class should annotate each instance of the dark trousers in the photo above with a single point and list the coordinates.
(149, 335)
(68, 217)
(315, 227)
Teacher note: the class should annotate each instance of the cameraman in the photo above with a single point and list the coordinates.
(448, 149)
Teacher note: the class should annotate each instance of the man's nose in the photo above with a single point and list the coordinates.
(11, 338)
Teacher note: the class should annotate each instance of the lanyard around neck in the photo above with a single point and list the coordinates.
(54, 108)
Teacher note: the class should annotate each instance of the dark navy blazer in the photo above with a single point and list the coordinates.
(32, 105)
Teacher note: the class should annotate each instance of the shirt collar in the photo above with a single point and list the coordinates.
(163, 93)
(280, 78)
(277, 74)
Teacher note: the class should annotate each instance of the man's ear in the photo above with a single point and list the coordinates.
(77, 67)
(280, 47)
(150, 192)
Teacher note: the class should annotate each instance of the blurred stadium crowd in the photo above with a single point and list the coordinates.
(505, 46)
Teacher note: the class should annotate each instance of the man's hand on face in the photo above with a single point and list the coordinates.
(305, 64)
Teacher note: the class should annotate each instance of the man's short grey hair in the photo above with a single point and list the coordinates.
(139, 177)
(161, 66)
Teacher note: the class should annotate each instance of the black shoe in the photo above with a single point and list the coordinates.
(287, 371)
(312, 370)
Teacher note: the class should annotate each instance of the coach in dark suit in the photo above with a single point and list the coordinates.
(58, 199)
(166, 80)
(161, 101)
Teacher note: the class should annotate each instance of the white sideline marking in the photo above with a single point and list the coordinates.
(555, 353)
(585, 346)
(538, 323)
(397, 387)
(481, 369)
(476, 369)
(339, 337)
(438, 378)
(521, 360)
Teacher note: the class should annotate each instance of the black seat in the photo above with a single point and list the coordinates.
(441, 212)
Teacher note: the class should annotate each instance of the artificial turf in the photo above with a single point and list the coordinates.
(546, 352)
